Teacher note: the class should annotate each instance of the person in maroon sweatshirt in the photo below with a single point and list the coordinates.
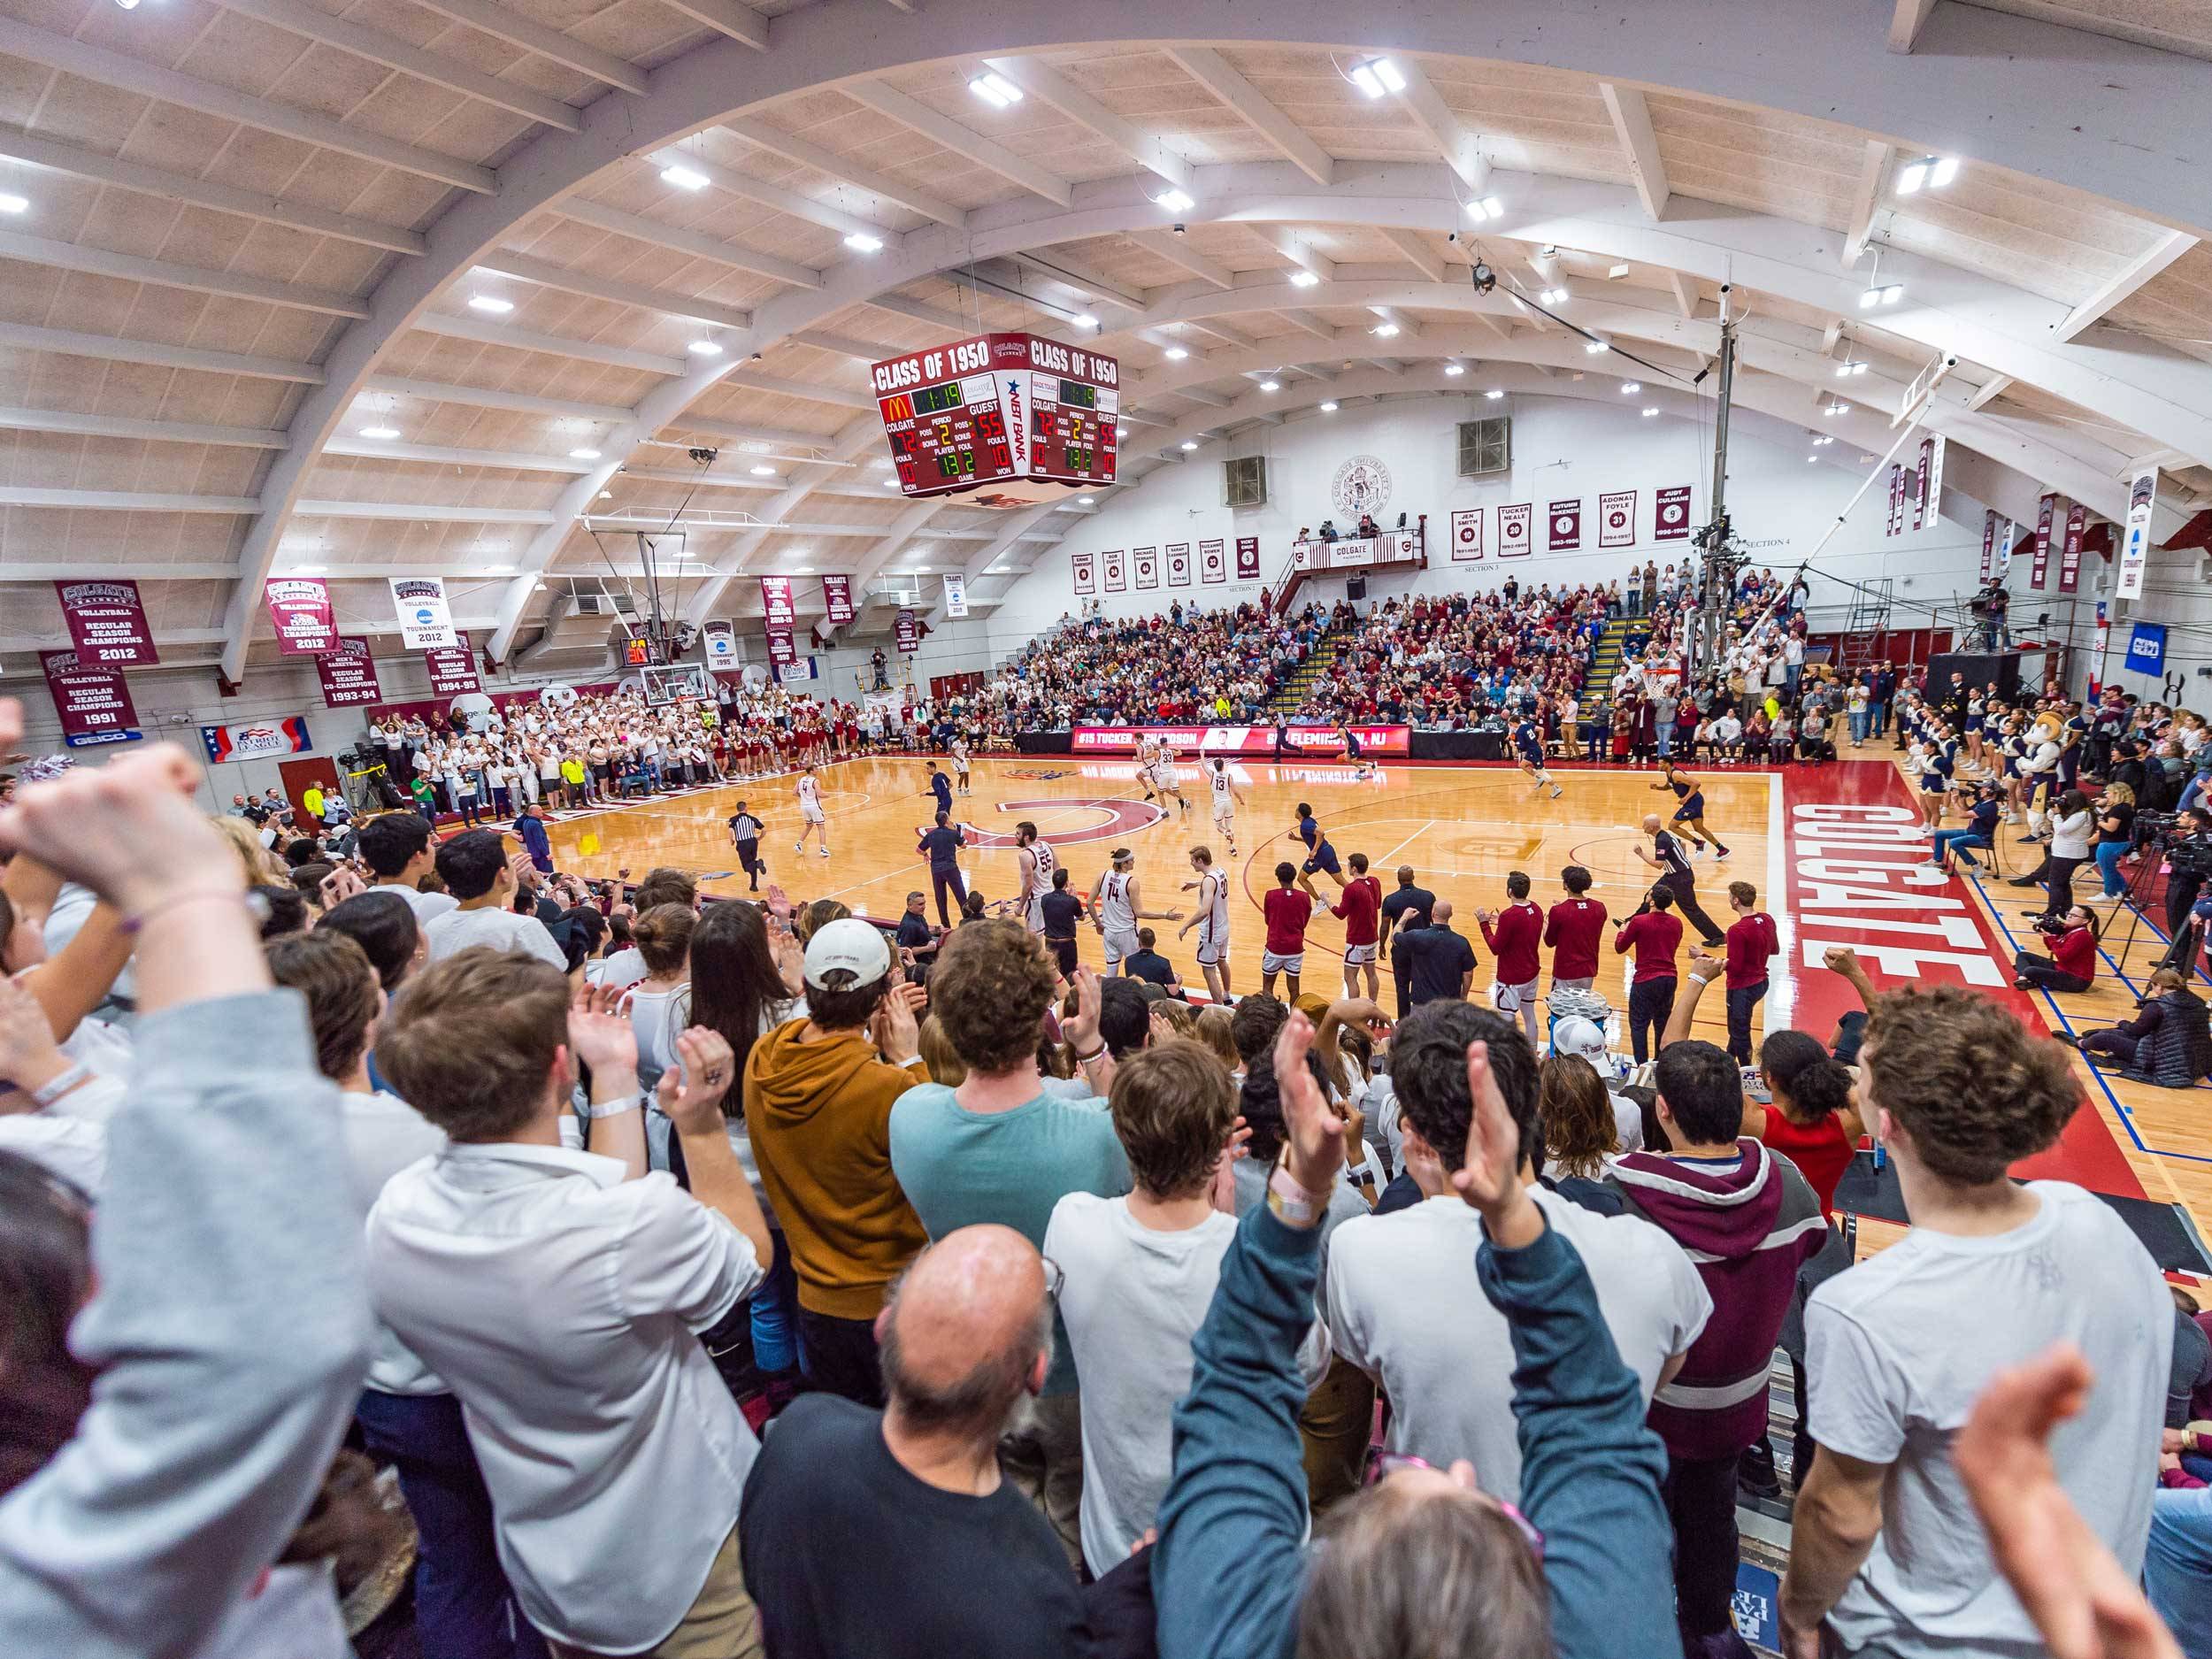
(1750, 1221)
(1359, 907)
(1513, 935)
(2072, 963)
(1752, 940)
(1572, 930)
(1654, 933)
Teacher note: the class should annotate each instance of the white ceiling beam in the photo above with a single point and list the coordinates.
(845, 345)
(1685, 291)
(783, 201)
(727, 17)
(1989, 391)
(1148, 151)
(1830, 336)
(893, 540)
(294, 17)
(31, 337)
(809, 154)
(126, 501)
(223, 198)
(1875, 159)
(17, 420)
(551, 44)
(71, 256)
(911, 112)
(545, 274)
(1309, 322)
(1223, 333)
(1079, 277)
(486, 332)
(1213, 71)
(1631, 125)
(421, 512)
(439, 454)
(935, 316)
(1389, 316)
(1906, 22)
(980, 561)
(91, 571)
(1449, 134)
(2114, 289)
(696, 244)
(1177, 252)
(853, 396)
(488, 397)
(1298, 250)
(734, 432)
(131, 74)
(1416, 253)
(1211, 400)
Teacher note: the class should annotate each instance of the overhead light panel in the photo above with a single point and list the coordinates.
(763, 470)
(1376, 76)
(1837, 407)
(1174, 201)
(1176, 354)
(1495, 392)
(1650, 410)
(1454, 370)
(1328, 408)
(1386, 331)
(1304, 280)
(1930, 173)
(1482, 209)
(1887, 294)
(685, 178)
(1086, 500)
(1629, 388)
(1596, 347)
(1084, 320)
(12, 204)
(490, 304)
(1270, 386)
(1615, 272)
(705, 349)
(1190, 443)
(861, 242)
(380, 433)
(996, 91)
(1554, 296)
(583, 455)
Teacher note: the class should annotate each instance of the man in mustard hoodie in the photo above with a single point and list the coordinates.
(818, 1093)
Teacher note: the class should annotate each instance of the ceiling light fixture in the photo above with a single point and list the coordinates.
(606, 495)
(1190, 443)
(996, 91)
(380, 432)
(1376, 76)
(1596, 347)
(1453, 371)
(1929, 173)
(1304, 280)
(1386, 331)
(1085, 501)
(705, 349)
(1270, 386)
(12, 203)
(1495, 392)
(685, 178)
(1484, 208)
(490, 304)
(1174, 201)
(1121, 432)
(1650, 410)
(763, 471)
(861, 242)
(1176, 354)
(1887, 294)
(1084, 320)
(1629, 388)
(1328, 408)
(1837, 407)
(583, 455)
(1554, 296)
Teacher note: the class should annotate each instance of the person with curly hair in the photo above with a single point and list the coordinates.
(1581, 1134)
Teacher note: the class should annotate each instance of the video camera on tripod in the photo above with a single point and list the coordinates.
(2186, 853)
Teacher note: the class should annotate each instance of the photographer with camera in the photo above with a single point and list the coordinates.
(1950, 851)
(2071, 965)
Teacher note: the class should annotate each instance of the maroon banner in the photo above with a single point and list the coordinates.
(1083, 568)
(1989, 542)
(908, 630)
(775, 601)
(299, 611)
(1896, 499)
(1117, 570)
(2070, 557)
(1565, 520)
(1325, 742)
(2046, 510)
(94, 704)
(348, 674)
(1247, 558)
(1179, 563)
(1616, 518)
(452, 668)
(1147, 563)
(107, 623)
(837, 598)
(783, 649)
(1213, 565)
(1513, 530)
(1918, 480)
(1671, 522)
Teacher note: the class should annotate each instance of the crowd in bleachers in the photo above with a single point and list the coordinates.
(1182, 666)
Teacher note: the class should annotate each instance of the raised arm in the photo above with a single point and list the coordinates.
(1703, 970)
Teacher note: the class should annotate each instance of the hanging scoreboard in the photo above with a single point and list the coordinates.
(1024, 418)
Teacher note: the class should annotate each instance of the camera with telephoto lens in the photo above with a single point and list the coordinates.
(2051, 927)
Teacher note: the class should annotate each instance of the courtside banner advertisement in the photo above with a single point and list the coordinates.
(837, 598)
(1466, 534)
(299, 611)
(94, 704)
(1083, 568)
(1213, 562)
(2045, 511)
(1179, 563)
(1671, 522)
(1616, 518)
(348, 674)
(1247, 558)
(776, 607)
(2146, 648)
(1117, 568)
(107, 623)
(1513, 538)
(907, 630)
(720, 639)
(956, 595)
(2070, 559)
(1565, 519)
(257, 740)
(2135, 548)
(452, 669)
(1147, 563)
(1306, 741)
(1989, 541)
(425, 621)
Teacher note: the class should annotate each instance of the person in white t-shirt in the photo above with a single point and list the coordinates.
(474, 868)
(1400, 1291)
(1887, 1552)
(395, 846)
(1139, 1274)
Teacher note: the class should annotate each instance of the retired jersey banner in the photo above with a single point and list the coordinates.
(1117, 570)
(1179, 563)
(1247, 558)
(348, 674)
(2046, 510)
(956, 595)
(299, 611)
(2135, 548)
(1513, 530)
(452, 669)
(257, 740)
(1616, 518)
(1313, 742)
(107, 623)
(908, 632)
(1083, 568)
(425, 621)
(94, 704)
(1146, 561)
(1466, 534)
(776, 607)
(1564, 519)
(837, 600)
(1989, 541)
(2069, 555)
(1671, 521)
(1213, 562)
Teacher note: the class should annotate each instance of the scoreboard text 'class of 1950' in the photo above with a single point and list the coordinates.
(998, 407)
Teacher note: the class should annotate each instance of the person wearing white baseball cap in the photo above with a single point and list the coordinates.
(1584, 1039)
(818, 1093)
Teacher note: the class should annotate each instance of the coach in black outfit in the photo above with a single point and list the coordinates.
(1673, 865)
(943, 844)
(1408, 907)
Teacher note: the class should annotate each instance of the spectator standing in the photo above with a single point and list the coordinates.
(474, 867)
(1573, 929)
(1514, 935)
(530, 830)
(395, 846)
(1752, 941)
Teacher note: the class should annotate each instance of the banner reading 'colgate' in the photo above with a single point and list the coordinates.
(1321, 741)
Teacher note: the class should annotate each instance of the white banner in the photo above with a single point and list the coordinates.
(1513, 537)
(720, 639)
(424, 622)
(1466, 534)
(2135, 548)
(1935, 480)
(1616, 518)
(956, 596)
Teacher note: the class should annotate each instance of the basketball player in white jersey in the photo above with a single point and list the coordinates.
(1116, 909)
(1211, 919)
(1228, 797)
(811, 817)
(960, 772)
(1165, 778)
(1037, 861)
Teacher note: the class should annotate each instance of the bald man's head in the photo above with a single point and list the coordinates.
(1442, 913)
(1651, 823)
(966, 1332)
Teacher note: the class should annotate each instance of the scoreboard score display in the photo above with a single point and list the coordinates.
(1016, 419)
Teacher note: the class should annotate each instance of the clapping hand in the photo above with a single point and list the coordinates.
(896, 1025)
(28, 1057)
(599, 1036)
(1314, 1136)
(1081, 1030)
(1490, 1180)
(339, 886)
(691, 1091)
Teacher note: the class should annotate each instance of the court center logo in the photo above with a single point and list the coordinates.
(1115, 821)
(1360, 484)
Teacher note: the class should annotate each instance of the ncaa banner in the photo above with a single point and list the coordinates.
(837, 599)
(1247, 558)
(1564, 519)
(94, 704)
(1466, 534)
(107, 623)
(2046, 510)
(299, 611)
(1116, 567)
(720, 639)
(1989, 541)
(452, 669)
(1513, 530)
(1083, 568)
(1213, 567)
(348, 674)
(425, 621)
(776, 607)
(1179, 563)
(1672, 520)
(1147, 560)
(1616, 518)
(2135, 550)
(908, 632)
(1325, 741)
(2069, 555)
(956, 595)
(287, 736)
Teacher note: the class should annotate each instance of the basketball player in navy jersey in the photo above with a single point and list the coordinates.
(1528, 739)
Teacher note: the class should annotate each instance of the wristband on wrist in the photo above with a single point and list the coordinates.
(615, 1108)
(1292, 1203)
(1098, 1053)
(47, 1093)
(255, 905)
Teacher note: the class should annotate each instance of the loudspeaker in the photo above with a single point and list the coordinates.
(1980, 668)
(1356, 587)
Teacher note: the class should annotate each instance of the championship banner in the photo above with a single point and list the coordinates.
(256, 740)
(1513, 530)
(908, 630)
(776, 608)
(348, 674)
(1989, 541)
(1247, 558)
(2045, 511)
(424, 618)
(1323, 741)
(1117, 570)
(1931, 486)
(1147, 560)
(2070, 557)
(1179, 563)
(837, 599)
(94, 704)
(107, 623)
(781, 649)
(1213, 567)
(1616, 518)
(1466, 534)
(299, 611)
(720, 639)
(1671, 521)
(2135, 548)
(1564, 519)
(956, 594)
(452, 669)
(1896, 499)
(1917, 479)
(1083, 568)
